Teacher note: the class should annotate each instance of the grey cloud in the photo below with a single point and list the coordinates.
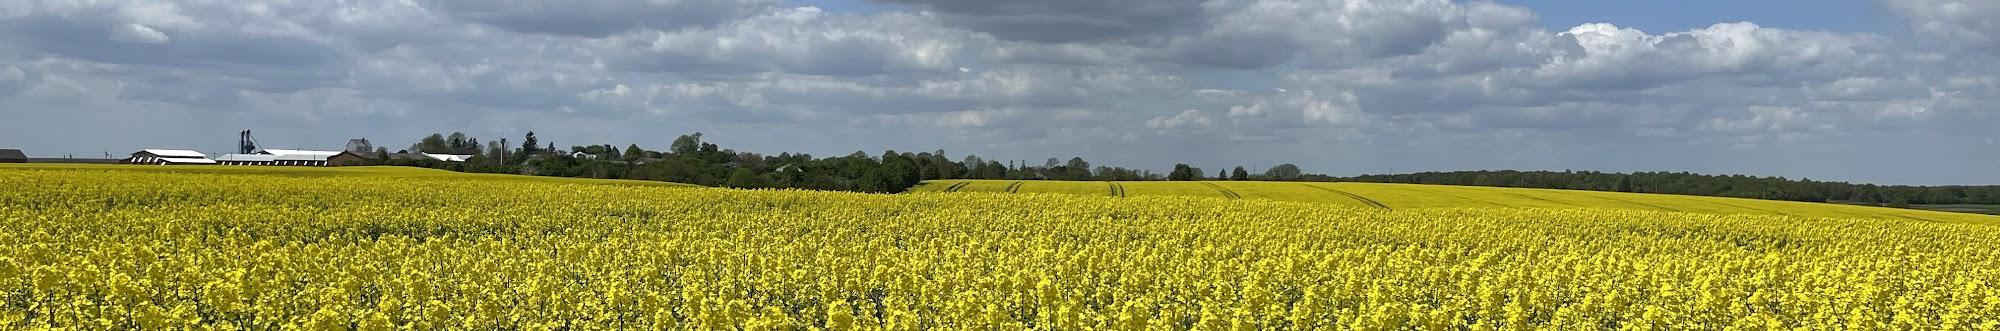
(14, 80)
(1022, 88)
(1973, 24)
(798, 40)
(1244, 51)
(1066, 20)
(1261, 34)
(135, 33)
(104, 40)
(1059, 54)
(598, 18)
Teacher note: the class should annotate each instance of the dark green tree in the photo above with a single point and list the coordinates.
(1239, 174)
(434, 143)
(1283, 172)
(633, 152)
(1076, 169)
(1182, 172)
(744, 178)
(686, 144)
(529, 145)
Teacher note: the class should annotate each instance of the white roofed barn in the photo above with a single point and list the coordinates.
(167, 156)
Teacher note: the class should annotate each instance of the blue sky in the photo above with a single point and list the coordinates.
(1883, 91)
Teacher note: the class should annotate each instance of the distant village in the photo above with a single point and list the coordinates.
(358, 152)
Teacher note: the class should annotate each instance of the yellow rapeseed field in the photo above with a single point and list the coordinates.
(108, 249)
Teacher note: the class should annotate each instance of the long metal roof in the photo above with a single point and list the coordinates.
(281, 152)
(301, 157)
(448, 157)
(246, 158)
(186, 160)
(176, 153)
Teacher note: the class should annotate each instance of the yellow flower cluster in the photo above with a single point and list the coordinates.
(123, 250)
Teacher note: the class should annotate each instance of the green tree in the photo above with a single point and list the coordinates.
(530, 146)
(1283, 172)
(686, 144)
(610, 152)
(1183, 172)
(434, 143)
(1076, 169)
(633, 152)
(744, 178)
(458, 143)
(1239, 174)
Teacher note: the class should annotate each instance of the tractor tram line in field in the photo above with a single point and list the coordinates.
(958, 186)
(1743, 207)
(1356, 197)
(1647, 205)
(1536, 198)
(1015, 187)
(1117, 190)
(1225, 191)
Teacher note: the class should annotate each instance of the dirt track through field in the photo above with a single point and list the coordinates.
(1015, 188)
(1356, 197)
(955, 187)
(1117, 190)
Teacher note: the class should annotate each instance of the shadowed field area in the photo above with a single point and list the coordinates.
(1412, 196)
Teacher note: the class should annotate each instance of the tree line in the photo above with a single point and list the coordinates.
(689, 159)
(1685, 183)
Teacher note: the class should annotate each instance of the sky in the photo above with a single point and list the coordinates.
(1890, 91)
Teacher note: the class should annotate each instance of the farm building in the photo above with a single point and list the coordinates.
(279, 157)
(307, 160)
(429, 157)
(360, 146)
(282, 152)
(168, 156)
(350, 158)
(297, 157)
(246, 159)
(448, 157)
(13, 156)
